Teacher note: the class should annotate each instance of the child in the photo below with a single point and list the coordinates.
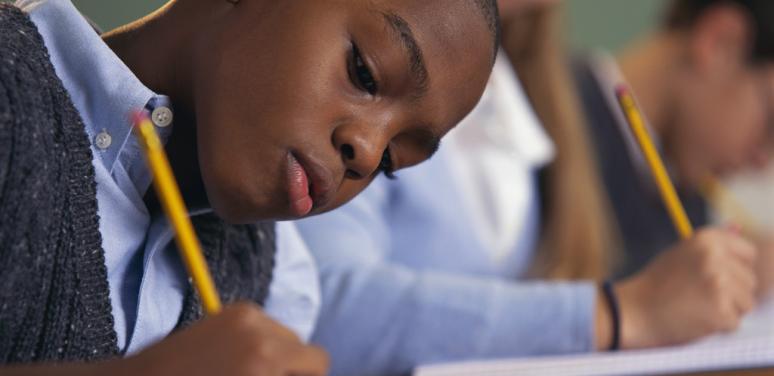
(471, 255)
(281, 110)
(704, 81)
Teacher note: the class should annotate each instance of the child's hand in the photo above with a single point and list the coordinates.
(703, 285)
(241, 340)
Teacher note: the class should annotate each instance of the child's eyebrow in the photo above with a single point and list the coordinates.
(410, 45)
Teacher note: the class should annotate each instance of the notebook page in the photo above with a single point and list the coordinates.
(751, 346)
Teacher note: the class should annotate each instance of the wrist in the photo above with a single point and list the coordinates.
(602, 322)
(615, 315)
(608, 318)
(636, 332)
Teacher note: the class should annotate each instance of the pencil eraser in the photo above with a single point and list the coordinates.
(138, 117)
(621, 89)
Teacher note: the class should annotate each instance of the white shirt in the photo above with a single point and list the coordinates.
(494, 153)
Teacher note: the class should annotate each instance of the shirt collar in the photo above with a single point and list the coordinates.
(101, 86)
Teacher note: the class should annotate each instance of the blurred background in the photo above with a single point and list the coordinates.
(590, 23)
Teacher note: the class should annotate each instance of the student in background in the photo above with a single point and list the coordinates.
(704, 81)
(495, 247)
(266, 125)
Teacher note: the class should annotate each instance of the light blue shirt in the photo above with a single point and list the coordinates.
(146, 277)
(406, 281)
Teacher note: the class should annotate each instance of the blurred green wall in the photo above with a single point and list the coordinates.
(111, 13)
(590, 23)
(609, 23)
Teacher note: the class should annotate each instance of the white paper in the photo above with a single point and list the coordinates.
(751, 346)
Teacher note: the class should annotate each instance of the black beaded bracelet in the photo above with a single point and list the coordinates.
(615, 314)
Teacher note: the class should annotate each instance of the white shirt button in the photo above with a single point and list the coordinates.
(161, 116)
(103, 140)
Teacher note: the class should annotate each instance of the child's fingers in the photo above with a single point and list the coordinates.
(742, 249)
(307, 361)
(742, 293)
(743, 275)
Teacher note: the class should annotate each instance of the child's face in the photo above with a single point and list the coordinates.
(299, 103)
(720, 120)
(724, 125)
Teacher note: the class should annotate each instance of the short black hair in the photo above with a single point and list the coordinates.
(684, 13)
(491, 14)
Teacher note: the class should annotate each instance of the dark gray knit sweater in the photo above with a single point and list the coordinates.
(54, 294)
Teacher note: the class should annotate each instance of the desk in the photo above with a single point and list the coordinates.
(749, 372)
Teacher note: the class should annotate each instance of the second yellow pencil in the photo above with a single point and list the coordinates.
(664, 183)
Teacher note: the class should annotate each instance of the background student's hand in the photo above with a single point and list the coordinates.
(765, 267)
(241, 340)
(701, 286)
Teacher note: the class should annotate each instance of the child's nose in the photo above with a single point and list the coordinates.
(360, 149)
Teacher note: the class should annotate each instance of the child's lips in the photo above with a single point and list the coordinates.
(309, 184)
(301, 202)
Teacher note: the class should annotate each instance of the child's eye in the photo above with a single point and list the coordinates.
(386, 166)
(360, 74)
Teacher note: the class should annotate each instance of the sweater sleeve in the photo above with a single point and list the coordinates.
(379, 317)
(5, 135)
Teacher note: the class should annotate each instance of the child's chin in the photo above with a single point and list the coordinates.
(240, 214)
(236, 212)
(235, 217)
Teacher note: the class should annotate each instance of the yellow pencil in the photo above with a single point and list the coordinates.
(172, 203)
(665, 186)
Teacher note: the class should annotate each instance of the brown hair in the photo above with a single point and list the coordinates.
(683, 14)
(577, 237)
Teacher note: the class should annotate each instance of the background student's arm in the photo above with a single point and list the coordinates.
(381, 317)
(765, 266)
(701, 286)
(240, 341)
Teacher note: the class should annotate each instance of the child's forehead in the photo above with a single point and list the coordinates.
(452, 37)
(459, 12)
(439, 23)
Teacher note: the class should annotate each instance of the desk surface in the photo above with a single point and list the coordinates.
(749, 372)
